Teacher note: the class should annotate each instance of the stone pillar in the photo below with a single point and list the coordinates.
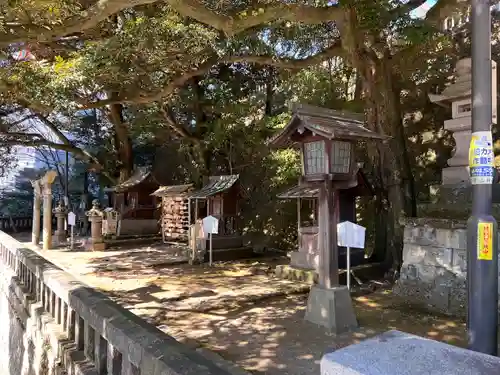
(47, 182)
(37, 205)
(95, 215)
(60, 211)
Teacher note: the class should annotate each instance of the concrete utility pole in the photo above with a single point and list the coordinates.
(482, 243)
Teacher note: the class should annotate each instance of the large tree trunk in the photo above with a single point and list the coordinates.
(123, 143)
(384, 116)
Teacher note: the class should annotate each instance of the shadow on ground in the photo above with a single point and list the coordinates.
(240, 310)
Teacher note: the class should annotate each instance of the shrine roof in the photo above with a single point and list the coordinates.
(300, 192)
(326, 123)
(358, 186)
(215, 185)
(140, 175)
(173, 190)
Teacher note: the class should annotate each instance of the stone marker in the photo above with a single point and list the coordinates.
(60, 211)
(95, 216)
(399, 353)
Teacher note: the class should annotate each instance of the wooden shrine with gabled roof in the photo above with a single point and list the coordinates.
(330, 175)
(220, 198)
(132, 199)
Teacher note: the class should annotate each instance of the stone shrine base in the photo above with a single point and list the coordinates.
(398, 353)
(331, 308)
(296, 274)
(434, 267)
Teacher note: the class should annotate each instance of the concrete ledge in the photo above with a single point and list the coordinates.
(434, 223)
(398, 353)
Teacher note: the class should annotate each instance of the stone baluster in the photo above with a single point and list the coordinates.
(60, 211)
(37, 205)
(95, 215)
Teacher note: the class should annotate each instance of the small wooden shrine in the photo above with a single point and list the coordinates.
(307, 256)
(138, 210)
(175, 215)
(326, 139)
(219, 198)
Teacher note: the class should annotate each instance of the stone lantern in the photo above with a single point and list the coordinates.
(458, 95)
(96, 215)
(452, 199)
(60, 211)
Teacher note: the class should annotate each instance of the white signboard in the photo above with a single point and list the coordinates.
(210, 225)
(351, 235)
(71, 219)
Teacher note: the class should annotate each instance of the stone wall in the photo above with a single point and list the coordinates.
(28, 343)
(59, 326)
(11, 334)
(434, 265)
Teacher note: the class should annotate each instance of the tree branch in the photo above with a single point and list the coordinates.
(252, 17)
(195, 9)
(87, 19)
(141, 98)
(180, 130)
(36, 140)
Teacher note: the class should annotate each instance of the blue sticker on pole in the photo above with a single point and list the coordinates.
(481, 158)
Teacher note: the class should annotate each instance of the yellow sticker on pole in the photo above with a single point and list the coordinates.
(485, 241)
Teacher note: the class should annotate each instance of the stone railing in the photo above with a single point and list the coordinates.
(90, 334)
(18, 223)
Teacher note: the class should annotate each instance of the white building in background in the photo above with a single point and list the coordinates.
(35, 159)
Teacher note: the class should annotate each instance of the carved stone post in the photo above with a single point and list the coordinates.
(47, 182)
(37, 205)
(60, 211)
(95, 215)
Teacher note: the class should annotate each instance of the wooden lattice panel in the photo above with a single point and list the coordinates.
(175, 218)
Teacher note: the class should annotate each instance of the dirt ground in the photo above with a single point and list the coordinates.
(239, 310)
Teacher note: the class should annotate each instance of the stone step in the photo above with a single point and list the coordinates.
(399, 353)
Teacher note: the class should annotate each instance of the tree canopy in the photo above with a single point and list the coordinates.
(205, 82)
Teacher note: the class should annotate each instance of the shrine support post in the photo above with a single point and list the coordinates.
(482, 268)
(328, 260)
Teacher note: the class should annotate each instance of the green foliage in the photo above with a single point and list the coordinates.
(208, 116)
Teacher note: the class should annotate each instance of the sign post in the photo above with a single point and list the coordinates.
(482, 242)
(210, 227)
(350, 235)
(72, 223)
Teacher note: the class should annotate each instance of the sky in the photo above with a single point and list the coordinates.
(422, 10)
